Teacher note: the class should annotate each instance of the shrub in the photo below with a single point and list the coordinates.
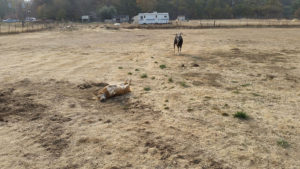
(283, 143)
(147, 89)
(183, 84)
(163, 66)
(144, 76)
(241, 115)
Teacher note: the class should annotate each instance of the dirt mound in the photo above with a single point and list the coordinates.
(19, 106)
(89, 85)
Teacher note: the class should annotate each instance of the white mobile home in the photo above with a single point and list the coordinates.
(153, 18)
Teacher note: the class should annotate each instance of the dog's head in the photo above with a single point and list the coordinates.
(128, 82)
(178, 36)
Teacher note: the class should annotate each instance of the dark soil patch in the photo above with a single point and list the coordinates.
(20, 106)
(208, 79)
(253, 57)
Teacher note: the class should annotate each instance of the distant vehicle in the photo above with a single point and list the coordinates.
(9, 20)
(30, 19)
(152, 18)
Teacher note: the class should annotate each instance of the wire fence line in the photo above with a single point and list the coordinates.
(19, 27)
(218, 23)
(240, 22)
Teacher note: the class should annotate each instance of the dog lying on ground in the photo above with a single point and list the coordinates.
(113, 90)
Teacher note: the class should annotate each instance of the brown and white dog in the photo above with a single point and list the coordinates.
(113, 90)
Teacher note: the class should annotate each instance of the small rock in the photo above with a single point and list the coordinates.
(152, 151)
(195, 65)
(107, 121)
(72, 105)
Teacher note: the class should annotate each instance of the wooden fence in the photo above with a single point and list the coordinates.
(18, 27)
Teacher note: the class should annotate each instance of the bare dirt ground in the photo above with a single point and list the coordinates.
(49, 118)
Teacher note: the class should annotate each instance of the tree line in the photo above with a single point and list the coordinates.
(192, 9)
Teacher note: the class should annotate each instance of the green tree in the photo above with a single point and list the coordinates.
(272, 9)
(200, 6)
(297, 13)
(195, 9)
(3, 8)
(218, 9)
(107, 12)
(146, 5)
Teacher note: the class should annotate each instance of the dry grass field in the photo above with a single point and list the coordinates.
(182, 112)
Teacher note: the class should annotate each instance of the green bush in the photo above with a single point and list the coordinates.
(144, 76)
(241, 115)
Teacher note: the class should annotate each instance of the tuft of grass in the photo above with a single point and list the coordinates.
(166, 101)
(163, 66)
(156, 62)
(241, 115)
(137, 70)
(183, 84)
(153, 78)
(147, 89)
(129, 73)
(255, 94)
(207, 97)
(283, 143)
(236, 92)
(234, 82)
(170, 80)
(144, 76)
(190, 110)
(246, 85)
(167, 108)
(120, 67)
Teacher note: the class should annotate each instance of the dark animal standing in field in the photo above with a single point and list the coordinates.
(178, 42)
